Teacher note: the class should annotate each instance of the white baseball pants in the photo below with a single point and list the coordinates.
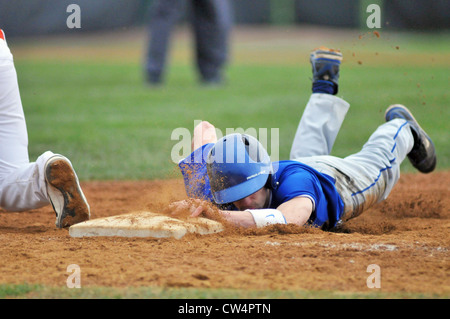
(22, 184)
(362, 179)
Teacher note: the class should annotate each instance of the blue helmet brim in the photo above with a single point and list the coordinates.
(240, 191)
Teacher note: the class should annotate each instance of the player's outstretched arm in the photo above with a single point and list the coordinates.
(194, 207)
(295, 211)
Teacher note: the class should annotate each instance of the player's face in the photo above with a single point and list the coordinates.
(257, 200)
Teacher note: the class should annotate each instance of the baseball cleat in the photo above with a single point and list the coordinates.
(423, 153)
(325, 65)
(64, 192)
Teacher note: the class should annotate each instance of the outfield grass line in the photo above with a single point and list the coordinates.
(36, 291)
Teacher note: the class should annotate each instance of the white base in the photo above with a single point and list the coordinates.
(144, 224)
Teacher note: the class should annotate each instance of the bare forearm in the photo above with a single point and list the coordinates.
(297, 214)
(297, 210)
(238, 218)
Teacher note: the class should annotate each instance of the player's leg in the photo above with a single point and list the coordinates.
(13, 130)
(204, 133)
(386, 149)
(367, 177)
(375, 169)
(25, 185)
(319, 126)
(212, 23)
(325, 112)
(18, 189)
(51, 179)
(164, 15)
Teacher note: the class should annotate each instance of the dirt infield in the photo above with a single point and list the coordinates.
(407, 236)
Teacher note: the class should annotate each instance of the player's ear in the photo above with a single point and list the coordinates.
(269, 182)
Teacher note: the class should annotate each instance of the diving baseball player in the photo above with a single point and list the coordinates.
(312, 187)
(25, 185)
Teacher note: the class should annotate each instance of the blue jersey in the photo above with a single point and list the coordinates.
(291, 179)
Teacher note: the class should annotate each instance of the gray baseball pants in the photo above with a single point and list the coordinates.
(362, 179)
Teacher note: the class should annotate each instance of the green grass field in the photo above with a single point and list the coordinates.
(28, 291)
(85, 97)
(94, 107)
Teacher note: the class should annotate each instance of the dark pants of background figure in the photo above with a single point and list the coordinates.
(212, 23)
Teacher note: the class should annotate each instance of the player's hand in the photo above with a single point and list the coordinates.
(205, 209)
(193, 207)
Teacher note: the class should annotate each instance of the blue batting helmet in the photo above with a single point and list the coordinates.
(237, 165)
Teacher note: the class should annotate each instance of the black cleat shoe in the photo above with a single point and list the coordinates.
(423, 153)
(64, 192)
(325, 65)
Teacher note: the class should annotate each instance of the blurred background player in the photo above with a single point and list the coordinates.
(211, 22)
(24, 185)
